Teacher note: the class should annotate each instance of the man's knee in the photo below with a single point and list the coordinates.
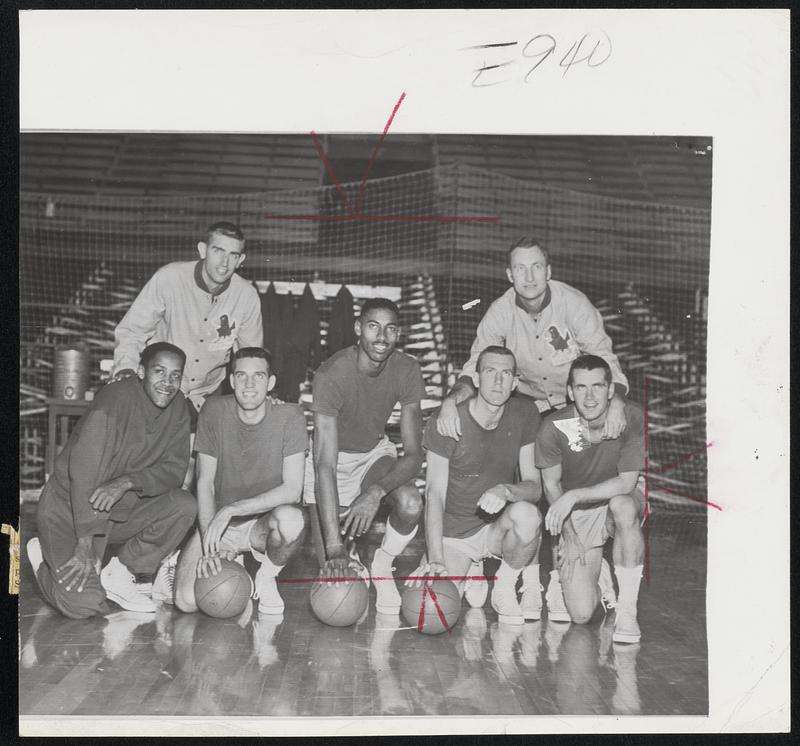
(185, 505)
(407, 502)
(526, 520)
(581, 610)
(79, 605)
(624, 511)
(184, 591)
(290, 521)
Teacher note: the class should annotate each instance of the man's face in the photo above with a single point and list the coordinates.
(496, 379)
(251, 382)
(529, 272)
(378, 333)
(161, 378)
(221, 256)
(591, 393)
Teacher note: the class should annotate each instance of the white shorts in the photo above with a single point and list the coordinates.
(476, 547)
(594, 525)
(351, 468)
(236, 537)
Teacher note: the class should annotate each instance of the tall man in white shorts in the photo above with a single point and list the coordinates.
(355, 464)
(250, 455)
(590, 484)
(473, 508)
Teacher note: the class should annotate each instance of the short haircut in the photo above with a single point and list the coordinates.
(495, 350)
(225, 228)
(528, 242)
(372, 304)
(589, 362)
(257, 352)
(149, 352)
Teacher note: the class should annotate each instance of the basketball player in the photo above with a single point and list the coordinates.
(250, 455)
(546, 324)
(355, 465)
(203, 307)
(116, 481)
(472, 479)
(590, 484)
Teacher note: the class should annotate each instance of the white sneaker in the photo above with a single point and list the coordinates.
(164, 583)
(387, 599)
(607, 596)
(35, 556)
(556, 608)
(531, 602)
(121, 587)
(626, 626)
(476, 591)
(266, 591)
(504, 602)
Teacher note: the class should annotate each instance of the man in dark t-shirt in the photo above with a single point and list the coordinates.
(250, 455)
(355, 465)
(590, 484)
(474, 477)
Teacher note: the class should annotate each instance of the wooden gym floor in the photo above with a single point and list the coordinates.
(189, 664)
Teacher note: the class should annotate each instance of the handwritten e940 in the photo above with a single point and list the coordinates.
(500, 58)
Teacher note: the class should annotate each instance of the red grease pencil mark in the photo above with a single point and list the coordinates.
(358, 213)
(362, 190)
(428, 591)
(421, 620)
(331, 173)
(348, 579)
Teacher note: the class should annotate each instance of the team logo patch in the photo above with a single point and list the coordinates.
(226, 333)
(564, 348)
(577, 438)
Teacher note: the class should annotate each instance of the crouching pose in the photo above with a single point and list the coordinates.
(250, 456)
(473, 507)
(117, 482)
(590, 484)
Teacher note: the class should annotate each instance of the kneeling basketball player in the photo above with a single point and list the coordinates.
(250, 455)
(590, 484)
(473, 477)
(355, 464)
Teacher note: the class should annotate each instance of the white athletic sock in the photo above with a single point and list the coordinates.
(628, 579)
(267, 565)
(530, 576)
(394, 542)
(507, 574)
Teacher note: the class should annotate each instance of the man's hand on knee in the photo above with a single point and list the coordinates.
(494, 499)
(570, 551)
(362, 512)
(78, 569)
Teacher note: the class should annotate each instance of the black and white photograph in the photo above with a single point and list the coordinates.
(372, 422)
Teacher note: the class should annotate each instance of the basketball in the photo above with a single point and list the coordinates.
(441, 599)
(225, 594)
(339, 604)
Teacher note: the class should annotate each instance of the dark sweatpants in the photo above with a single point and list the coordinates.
(155, 527)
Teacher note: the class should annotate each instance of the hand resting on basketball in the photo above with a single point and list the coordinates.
(209, 564)
(339, 565)
(425, 569)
